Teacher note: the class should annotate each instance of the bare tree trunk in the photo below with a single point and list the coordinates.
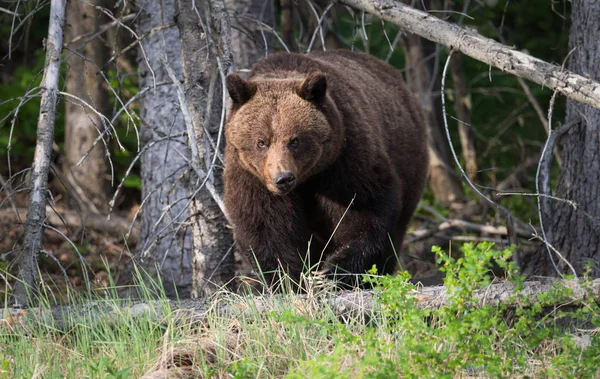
(287, 24)
(82, 125)
(575, 231)
(250, 40)
(165, 240)
(206, 61)
(36, 214)
(444, 182)
(462, 101)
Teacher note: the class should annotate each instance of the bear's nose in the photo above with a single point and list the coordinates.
(285, 181)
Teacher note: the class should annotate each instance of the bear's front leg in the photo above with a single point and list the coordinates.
(361, 241)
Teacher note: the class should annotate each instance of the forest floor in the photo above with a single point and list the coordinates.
(104, 250)
(294, 337)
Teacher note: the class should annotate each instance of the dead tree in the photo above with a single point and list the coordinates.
(345, 304)
(165, 245)
(28, 282)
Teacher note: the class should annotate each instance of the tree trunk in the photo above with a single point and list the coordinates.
(462, 105)
(287, 24)
(165, 241)
(206, 55)
(27, 285)
(250, 41)
(82, 126)
(576, 232)
(422, 81)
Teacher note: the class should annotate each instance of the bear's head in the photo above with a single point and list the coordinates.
(283, 130)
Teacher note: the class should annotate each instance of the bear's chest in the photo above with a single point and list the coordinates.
(322, 212)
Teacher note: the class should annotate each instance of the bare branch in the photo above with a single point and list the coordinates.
(542, 177)
(13, 30)
(130, 30)
(319, 27)
(445, 117)
(137, 41)
(463, 225)
(133, 162)
(102, 29)
(269, 28)
(471, 43)
(8, 11)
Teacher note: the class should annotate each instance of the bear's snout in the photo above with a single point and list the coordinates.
(285, 181)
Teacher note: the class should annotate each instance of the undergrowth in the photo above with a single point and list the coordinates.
(301, 337)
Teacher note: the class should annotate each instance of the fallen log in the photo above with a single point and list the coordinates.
(357, 303)
(473, 44)
(117, 226)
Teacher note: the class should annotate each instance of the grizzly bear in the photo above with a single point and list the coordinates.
(325, 162)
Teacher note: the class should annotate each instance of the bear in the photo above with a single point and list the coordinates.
(325, 162)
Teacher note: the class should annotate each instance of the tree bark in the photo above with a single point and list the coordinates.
(27, 285)
(250, 41)
(82, 126)
(206, 55)
(165, 245)
(575, 231)
(486, 50)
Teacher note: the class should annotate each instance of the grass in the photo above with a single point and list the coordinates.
(296, 338)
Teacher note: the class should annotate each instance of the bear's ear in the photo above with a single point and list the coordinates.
(313, 88)
(240, 90)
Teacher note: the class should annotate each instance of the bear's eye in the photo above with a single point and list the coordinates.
(260, 144)
(294, 143)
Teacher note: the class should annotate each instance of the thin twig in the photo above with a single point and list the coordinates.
(269, 28)
(146, 147)
(130, 30)
(102, 28)
(8, 11)
(445, 118)
(319, 27)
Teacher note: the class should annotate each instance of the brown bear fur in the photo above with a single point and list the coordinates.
(344, 126)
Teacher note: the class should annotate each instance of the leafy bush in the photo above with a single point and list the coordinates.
(460, 338)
